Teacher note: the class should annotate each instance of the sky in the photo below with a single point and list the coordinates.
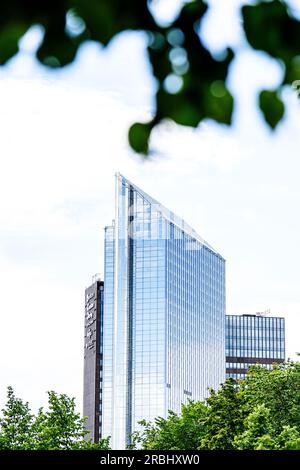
(64, 136)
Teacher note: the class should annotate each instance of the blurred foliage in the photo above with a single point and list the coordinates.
(272, 107)
(259, 413)
(191, 83)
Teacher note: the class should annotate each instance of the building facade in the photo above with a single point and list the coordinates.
(164, 314)
(93, 359)
(253, 339)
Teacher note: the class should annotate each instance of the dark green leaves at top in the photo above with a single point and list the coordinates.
(270, 27)
(138, 137)
(9, 38)
(106, 18)
(203, 93)
(178, 56)
(272, 107)
(191, 83)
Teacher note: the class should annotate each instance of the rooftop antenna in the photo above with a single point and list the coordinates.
(263, 314)
(96, 277)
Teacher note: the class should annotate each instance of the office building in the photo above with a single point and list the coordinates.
(253, 339)
(93, 359)
(164, 314)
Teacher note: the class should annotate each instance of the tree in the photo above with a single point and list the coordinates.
(258, 431)
(225, 418)
(288, 439)
(206, 425)
(260, 434)
(278, 390)
(16, 424)
(191, 83)
(58, 428)
(182, 432)
(262, 412)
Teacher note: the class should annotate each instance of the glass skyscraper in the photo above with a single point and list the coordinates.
(164, 314)
(253, 339)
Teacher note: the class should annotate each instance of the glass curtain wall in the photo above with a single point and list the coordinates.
(253, 339)
(108, 332)
(164, 341)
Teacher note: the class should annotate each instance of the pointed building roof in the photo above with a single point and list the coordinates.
(169, 215)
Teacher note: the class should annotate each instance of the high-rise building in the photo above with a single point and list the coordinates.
(253, 339)
(164, 314)
(93, 359)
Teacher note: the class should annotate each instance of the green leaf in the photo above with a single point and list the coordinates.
(9, 38)
(138, 136)
(57, 50)
(219, 103)
(272, 107)
(270, 27)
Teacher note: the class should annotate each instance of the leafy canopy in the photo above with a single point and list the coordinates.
(59, 428)
(262, 412)
(191, 83)
(259, 413)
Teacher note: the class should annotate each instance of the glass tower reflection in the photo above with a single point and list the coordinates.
(164, 314)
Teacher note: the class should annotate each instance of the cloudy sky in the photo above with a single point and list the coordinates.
(63, 137)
